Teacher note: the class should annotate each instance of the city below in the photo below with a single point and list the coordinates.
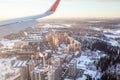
(83, 49)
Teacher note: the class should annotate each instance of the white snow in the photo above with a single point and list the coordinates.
(8, 43)
(91, 73)
(112, 40)
(113, 31)
(56, 26)
(114, 43)
(95, 28)
(117, 31)
(82, 78)
(111, 36)
(67, 79)
(6, 68)
(94, 21)
(47, 51)
(34, 36)
(63, 46)
(86, 63)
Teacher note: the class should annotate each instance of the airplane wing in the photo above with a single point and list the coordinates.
(15, 25)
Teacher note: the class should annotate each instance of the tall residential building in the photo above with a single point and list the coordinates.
(73, 68)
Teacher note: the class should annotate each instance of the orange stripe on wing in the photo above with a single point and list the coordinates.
(54, 7)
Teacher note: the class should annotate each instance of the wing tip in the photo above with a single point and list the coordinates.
(55, 5)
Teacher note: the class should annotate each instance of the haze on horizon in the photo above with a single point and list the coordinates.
(67, 8)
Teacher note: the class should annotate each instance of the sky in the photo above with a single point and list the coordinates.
(67, 9)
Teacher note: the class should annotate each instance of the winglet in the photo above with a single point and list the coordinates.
(55, 5)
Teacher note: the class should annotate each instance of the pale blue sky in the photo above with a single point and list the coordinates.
(67, 8)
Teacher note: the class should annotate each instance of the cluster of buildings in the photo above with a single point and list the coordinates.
(56, 39)
(51, 64)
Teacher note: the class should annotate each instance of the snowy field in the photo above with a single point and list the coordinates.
(86, 62)
(8, 43)
(56, 26)
(113, 34)
(6, 70)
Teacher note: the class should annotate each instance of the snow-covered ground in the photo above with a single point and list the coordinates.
(113, 34)
(56, 26)
(114, 43)
(112, 31)
(112, 39)
(117, 32)
(95, 28)
(8, 43)
(94, 21)
(6, 70)
(34, 37)
(86, 62)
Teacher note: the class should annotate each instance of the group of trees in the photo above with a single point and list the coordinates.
(108, 67)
